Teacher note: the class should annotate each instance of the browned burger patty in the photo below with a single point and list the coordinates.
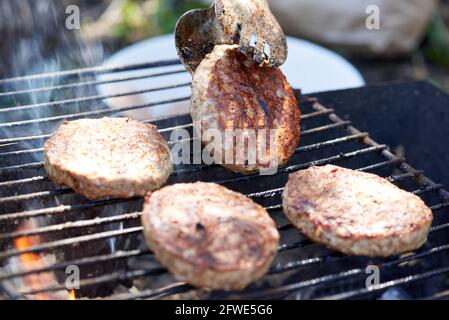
(209, 236)
(354, 212)
(229, 93)
(109, 157)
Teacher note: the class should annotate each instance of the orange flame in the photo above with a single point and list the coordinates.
(22, 244)
(30, 261)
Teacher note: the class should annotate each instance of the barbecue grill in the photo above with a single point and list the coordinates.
(46, 229)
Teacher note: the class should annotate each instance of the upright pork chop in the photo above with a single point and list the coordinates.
(209, 236)
(354, 212)
(109, 157)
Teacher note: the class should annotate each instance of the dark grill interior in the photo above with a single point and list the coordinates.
(45, 228)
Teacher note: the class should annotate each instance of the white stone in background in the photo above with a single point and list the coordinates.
(309, 67)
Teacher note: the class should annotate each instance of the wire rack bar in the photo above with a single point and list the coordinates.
(70, 241)
(80, 239)
(94, 113)
(117, 276)
(33, 165)
(58, 210)
(283, 290)
(274, 270)
(92, 71)
(109, 234)
(175, 288)
(164, 130)
(308, 148)
(87, 84)
(78, 100)
(389, 284)
(71, 225)
(289, 169)
(386, 153)
(118, 255)
(330, 160)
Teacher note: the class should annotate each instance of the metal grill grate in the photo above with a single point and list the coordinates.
(104, 238)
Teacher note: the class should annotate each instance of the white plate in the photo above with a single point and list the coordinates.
(308, 67)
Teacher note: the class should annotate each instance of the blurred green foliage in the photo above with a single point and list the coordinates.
(168, 14)
(146, 18)
(437, 45)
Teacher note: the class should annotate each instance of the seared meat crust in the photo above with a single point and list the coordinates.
(109, 157)
(354, 212)
(209, 236)
(230, 92)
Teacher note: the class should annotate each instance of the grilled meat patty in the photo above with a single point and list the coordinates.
(209, 236)
(230, 93)
(109, 157)
(354, 212)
